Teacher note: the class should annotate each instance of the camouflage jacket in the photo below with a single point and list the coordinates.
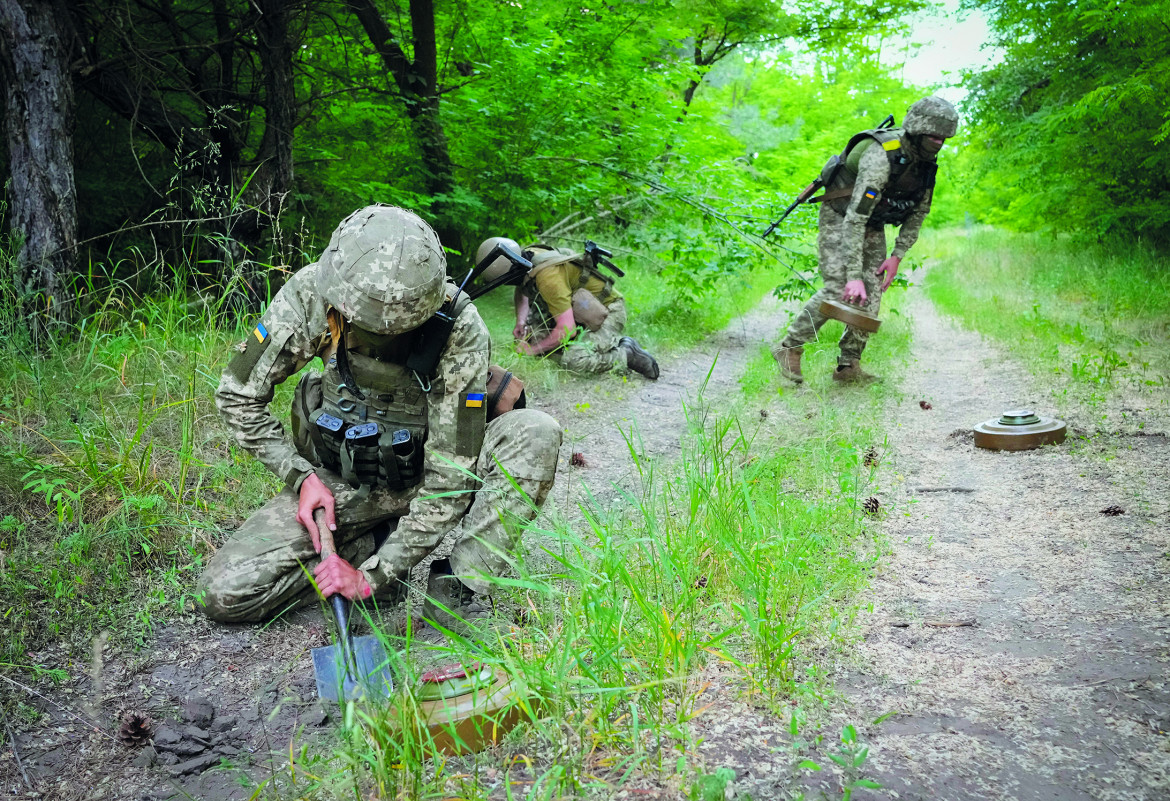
(291, 333)
(873, 173)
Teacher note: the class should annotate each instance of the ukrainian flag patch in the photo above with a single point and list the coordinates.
(869, 193)
(261, 333)
(893, 144)
(474, 400)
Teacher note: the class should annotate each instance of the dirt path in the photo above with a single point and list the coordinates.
(1060, 690)
(241, 693)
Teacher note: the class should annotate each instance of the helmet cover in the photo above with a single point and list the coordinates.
(500, 265)
(932, 116)
(384, 270)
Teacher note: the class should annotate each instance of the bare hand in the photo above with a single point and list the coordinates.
(855, 292)
(890, 269)
(525, 348)
(335, 576)
(520, 332)
(315, 495)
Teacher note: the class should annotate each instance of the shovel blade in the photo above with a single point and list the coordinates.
(372, 679)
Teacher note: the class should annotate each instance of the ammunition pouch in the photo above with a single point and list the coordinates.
(376, 441)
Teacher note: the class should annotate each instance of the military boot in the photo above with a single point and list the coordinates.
(637, 359)
(850, 372)
(789, 361)
(450, 603)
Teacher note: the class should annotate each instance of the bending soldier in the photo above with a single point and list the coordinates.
(568, 309)
(884, 177)
(395, 458)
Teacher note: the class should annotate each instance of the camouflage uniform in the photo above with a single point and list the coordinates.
(848, 248)
(550, 289)
(265, 567)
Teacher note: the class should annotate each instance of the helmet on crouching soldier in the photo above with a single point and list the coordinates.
(383, 270)
(931, 116)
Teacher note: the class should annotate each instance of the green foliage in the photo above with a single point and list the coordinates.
(1073, 123)
(1095, 314)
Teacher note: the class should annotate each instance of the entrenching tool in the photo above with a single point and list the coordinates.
(354, 667)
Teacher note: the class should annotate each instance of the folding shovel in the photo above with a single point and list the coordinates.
(354, 667)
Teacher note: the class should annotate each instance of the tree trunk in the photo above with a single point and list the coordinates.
(418, 83)
(39, 116)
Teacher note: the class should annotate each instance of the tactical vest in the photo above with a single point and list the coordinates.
(375, 441)
(587, 271)
(910, 178)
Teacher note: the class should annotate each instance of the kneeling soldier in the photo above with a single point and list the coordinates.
(395, 457)
(562, 291)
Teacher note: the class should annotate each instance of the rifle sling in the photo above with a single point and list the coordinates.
(833, 194)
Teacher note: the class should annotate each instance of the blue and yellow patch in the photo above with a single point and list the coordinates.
(474, 400)
(869, 193)
(261, 333)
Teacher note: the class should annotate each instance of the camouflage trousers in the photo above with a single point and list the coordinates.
(592, 351)
(264, 568)
(832, 258)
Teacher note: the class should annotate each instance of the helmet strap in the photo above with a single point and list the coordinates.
(338, 327)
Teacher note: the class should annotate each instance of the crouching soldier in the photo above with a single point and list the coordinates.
(396, 452)
(884, 177)
(568, 309)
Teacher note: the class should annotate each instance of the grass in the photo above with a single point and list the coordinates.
(739, 563)
(1098, 316)
(116, 478)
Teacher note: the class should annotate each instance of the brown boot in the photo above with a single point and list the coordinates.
(789, 361)
(850, 372)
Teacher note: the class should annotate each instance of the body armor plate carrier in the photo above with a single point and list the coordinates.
(910, 178)
(375, 441)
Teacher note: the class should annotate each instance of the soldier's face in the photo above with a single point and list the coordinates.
(933, 144)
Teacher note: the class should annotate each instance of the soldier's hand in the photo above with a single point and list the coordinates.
(890, 269)
(335, 576)
(314, 495)
(854, 292)
(520, 332)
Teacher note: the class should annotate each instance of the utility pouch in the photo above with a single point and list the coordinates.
(505, 392)
(588, 310)
(429, 342)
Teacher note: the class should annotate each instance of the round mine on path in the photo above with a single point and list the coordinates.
(850, 315)
(1019, 430)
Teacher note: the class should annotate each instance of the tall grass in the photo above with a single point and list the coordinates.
(1097, 314)
(734, 565)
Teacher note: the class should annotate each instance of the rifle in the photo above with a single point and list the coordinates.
(812, 188)
(600, 256)
(432, 336)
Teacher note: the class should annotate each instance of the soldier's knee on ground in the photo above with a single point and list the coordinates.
(229, 597)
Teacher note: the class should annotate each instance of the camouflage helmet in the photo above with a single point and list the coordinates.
(933, 116)
(384, 270)
(501, 265)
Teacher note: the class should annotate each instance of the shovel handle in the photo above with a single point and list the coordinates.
(327, 546)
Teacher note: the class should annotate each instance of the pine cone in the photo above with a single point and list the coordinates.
(577, 460)
(871, 506)
(871, 458)
(925, 406)
(1113, 511)
(135, 729)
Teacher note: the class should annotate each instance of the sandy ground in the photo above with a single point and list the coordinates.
(1058, 691)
